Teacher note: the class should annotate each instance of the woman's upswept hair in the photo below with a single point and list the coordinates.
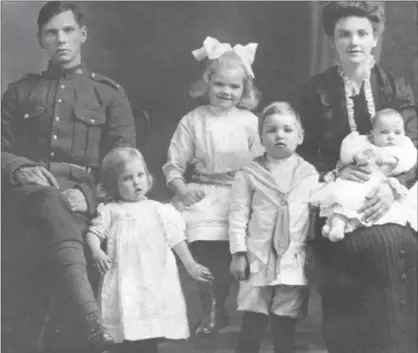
(112, 166)
(332, 11)
(250, 96)
(277, 108)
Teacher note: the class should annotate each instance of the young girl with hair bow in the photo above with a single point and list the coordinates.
(215, 140)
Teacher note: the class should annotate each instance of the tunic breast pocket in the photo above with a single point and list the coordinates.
(35, 119)
(88, 129)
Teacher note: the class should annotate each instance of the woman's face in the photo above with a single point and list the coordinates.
(354, 39)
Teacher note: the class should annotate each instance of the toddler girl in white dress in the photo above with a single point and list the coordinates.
(141, 296)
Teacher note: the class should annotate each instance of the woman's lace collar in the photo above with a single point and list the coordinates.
(368, 93)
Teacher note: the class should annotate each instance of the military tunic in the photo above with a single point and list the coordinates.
(74, 116)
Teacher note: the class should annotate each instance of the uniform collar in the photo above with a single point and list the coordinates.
(57, 72)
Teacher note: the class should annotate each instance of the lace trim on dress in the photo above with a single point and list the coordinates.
(348, 88)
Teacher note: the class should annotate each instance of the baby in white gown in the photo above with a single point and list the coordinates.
(389, 152)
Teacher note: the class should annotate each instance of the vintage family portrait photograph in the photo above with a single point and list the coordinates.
(209, 176)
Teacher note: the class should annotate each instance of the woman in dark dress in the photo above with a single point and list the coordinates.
(368, 281)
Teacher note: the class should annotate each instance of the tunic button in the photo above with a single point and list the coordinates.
(402, 254)
(403, 277)
(62, 86)
(52, 154)
(92, 121)
(54, 137)
(59, 100)
(26, 116)
(57, 118)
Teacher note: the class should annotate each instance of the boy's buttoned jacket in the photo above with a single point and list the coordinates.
(271, 225)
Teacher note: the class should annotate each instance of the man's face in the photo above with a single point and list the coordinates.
(61, 37)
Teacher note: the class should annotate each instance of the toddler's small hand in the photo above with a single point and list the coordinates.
(101, 261)
(199, 273)
(239, 266)
(192, 197)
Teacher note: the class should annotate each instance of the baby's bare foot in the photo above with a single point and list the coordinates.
(325, 231)
(336, 234)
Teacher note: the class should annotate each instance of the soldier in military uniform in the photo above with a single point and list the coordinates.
(56, 127)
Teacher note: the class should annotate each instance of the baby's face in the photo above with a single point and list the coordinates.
(388, 130)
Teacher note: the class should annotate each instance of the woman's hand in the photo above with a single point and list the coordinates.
(199, 272)
(355, 172)
(191, 197)
(377, 203)
(239, 266)
(101, 261)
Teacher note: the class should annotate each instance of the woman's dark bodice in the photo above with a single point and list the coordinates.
(324, 114)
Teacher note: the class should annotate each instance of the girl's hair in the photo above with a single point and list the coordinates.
(112, 166)
(250, 96)
(277, 108)
(332, 11)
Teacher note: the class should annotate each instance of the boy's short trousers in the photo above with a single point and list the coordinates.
(281, 300)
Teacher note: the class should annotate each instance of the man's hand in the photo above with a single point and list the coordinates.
(377, 203)
(76, 199)
(35, 175)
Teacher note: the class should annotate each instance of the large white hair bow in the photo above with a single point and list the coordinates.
(213, 49)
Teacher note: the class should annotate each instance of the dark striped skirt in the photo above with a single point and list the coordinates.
(368, 284)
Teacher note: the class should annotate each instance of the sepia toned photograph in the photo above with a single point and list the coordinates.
(209, 176)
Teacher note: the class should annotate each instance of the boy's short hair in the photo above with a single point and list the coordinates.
(278, 108)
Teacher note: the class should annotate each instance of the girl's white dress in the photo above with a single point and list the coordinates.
(215, 144)
(141, 295)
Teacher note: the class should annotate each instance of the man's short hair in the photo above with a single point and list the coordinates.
(54, 8)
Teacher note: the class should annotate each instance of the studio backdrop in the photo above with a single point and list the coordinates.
(146, 47)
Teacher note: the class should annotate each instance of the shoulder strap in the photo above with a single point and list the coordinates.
(106, 80)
